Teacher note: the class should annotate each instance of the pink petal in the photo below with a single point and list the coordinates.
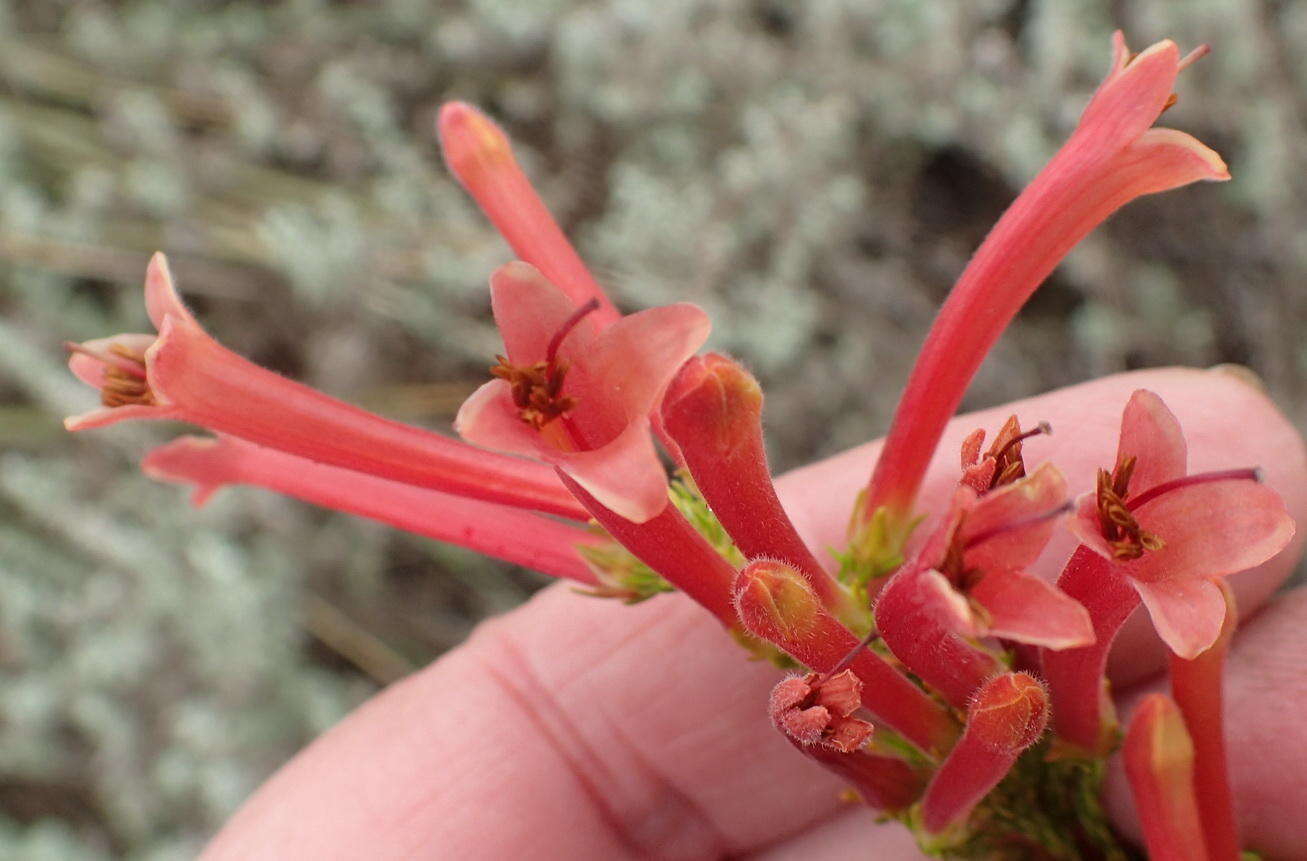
(1159, 160)
(90, 371)
(161, 297)
(529, 311)
(630, 365)
(625, 475)
(489, 418)
(103, 416)
(946, 604)
(1211, 530)
(1151, 433)
(1130, 99)
(1030, 610)
(1038, 493)
(1187, 613)
(1084, 525)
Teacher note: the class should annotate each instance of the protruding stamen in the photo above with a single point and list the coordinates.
(1014, 525)
(1041, 428)
(551, 352)
(537, 389)
(1244, 474)
(1194, 56)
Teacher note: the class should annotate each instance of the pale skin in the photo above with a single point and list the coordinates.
(581, 728)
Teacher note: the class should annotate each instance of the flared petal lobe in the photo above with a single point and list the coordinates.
(1028, 609)
(603, 386)
(632, 363)
(1025, 500)
(1211, 530)
(529, 311)
(1150, 433)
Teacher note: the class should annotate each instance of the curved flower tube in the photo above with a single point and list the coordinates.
(520, 537)
(183, 374)
(1113, 157)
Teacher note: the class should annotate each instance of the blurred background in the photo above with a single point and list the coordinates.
(814, 174)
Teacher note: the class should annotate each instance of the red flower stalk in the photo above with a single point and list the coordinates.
(1162, 537)
(968, 581)
(479, 154)
(520, 537)
(713, 412)
(182, 374)
(776, 604)
(577, 397)
(816, 716)
(1112, 158)
(671, 546)
(1196, 688)
(1008, 715)
(1159, 762)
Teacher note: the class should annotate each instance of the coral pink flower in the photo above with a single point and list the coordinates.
(185, 375)
(1170, 535)
(578, 398)
(1152, 533)
(1112, 158)
(969, 581)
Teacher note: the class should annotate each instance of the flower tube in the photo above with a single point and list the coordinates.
(1113, 157)
(183, 374)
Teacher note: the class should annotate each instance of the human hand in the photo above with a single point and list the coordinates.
(577, 728)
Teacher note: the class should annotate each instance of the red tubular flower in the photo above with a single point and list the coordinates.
(479, 154)
(184, 375)
(670, 545)
(520, 537)
(1008, 715)
(968, 580)
(816, 716)
(579, 398)
(776, 604)
(1112, 158)
(1196, 687)
(1151, 532)
(713, 412)
(1159, 761)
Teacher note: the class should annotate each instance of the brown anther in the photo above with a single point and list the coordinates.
(537, 390)
(1122, 531)
(1004, 452)
(125, 380)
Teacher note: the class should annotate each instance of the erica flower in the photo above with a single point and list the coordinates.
(978, 583)
(969, 581)
(1113, 157)
(1152, 533)
(185, 375)
(1170, 535)
(578, 398)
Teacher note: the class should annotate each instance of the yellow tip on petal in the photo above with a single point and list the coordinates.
(469, 138)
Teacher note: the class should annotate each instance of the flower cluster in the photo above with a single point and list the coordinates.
(944, 680)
